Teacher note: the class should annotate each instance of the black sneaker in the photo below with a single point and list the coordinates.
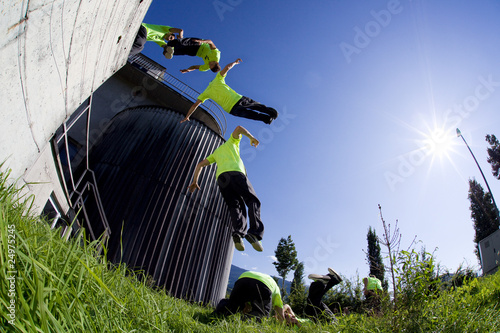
(334, 274)
(238, 243)
(256, 244)
(321, 278)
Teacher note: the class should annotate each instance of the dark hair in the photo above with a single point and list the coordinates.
(215, 68)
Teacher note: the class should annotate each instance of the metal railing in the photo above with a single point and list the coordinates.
(77, 178)
(160, 73)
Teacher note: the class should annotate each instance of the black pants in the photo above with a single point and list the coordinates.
(140, 40)
(315, 308)
(238, 192)
(373, 300)
(247, 290)
(185, 46)
(250, 109)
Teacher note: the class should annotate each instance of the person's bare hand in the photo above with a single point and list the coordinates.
(193, 187)
(254, 142)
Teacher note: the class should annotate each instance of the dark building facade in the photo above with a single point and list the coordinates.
(144, 163)
(143, 160)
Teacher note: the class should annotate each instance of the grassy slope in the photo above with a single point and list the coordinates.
(65, 287)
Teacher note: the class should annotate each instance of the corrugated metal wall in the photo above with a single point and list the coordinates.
(144, 163)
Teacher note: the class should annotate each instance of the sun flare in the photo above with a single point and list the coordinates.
(439, 142)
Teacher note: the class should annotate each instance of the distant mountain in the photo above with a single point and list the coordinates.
(235, 273)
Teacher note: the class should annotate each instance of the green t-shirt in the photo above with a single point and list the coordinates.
(156, 33)
(303, 322)
(269, 282)
(221, 93)
(374, 284)
(227, 157)
(208, 55)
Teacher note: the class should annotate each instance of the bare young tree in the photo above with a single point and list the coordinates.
(392, 241)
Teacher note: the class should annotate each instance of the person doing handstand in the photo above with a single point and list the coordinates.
(254, 294)
(236, 189)
(192, 46)
(315, 309)
(232, 102)
(160, 34)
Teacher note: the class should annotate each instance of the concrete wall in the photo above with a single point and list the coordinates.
(53, 55)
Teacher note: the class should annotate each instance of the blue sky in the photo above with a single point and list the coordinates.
(362, 87)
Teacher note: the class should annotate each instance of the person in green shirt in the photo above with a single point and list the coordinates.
(159, 34)
(192, 46)
(231, 101)
(254, 294)
(372, 285)
(372, 291)
(236, 189)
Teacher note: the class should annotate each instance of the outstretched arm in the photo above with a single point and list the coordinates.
(194, 184)
(190, 69)
(191, 110)
(224, 71)
(242, 130)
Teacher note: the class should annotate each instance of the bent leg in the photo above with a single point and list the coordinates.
(250, 109)
(315, 308)
(230, 192)
(259, 107)
(253, 203)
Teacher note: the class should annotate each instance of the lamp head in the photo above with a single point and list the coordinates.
(459, 134)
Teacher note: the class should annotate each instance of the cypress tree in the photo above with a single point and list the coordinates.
(483, 213)
(494, 155)
(374, 257)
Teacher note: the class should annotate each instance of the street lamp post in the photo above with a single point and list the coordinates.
(482, 174)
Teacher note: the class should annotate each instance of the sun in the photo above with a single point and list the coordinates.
(435, 140)
(439, 142)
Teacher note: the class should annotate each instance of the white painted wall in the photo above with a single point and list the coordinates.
(53, 55)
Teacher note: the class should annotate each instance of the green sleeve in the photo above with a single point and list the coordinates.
(203, 97)
(211, 158)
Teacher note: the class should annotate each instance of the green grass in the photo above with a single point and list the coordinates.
(65, 286)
